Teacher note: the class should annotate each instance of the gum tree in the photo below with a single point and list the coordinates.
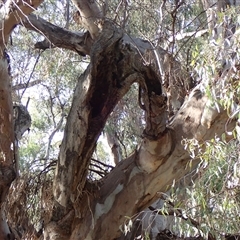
(175, 105)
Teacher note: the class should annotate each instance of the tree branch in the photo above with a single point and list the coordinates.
(58, 37)
(130, 178)
(14, 14)
(25, 85)
(89, 15)
(177, 213)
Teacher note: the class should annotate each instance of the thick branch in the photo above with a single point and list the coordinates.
(129, 188)
(95, 97)
(112, 71)
(6, 116)
(134, 183)
(59, 37)
(15, 13)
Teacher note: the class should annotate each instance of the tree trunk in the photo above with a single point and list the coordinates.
(94, 210)
(6, 143)
(160, 159)
(13, 15)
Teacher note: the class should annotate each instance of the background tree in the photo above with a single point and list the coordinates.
(185, 99)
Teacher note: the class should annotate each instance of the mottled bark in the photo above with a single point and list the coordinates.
(7, 172)
(135, 182)
(13, 14)
(86, 210)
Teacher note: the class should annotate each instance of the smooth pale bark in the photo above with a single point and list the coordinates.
(89, 16)
(135, 182)
(85, 210)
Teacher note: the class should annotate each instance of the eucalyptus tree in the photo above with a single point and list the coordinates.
(177, 107)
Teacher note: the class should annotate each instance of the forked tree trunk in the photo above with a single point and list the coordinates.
(99, 208)
(95, 210)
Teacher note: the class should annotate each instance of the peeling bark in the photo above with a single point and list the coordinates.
(160, 159)
(84, 210)
(130, 178)
(14, 13)
(7, 172)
